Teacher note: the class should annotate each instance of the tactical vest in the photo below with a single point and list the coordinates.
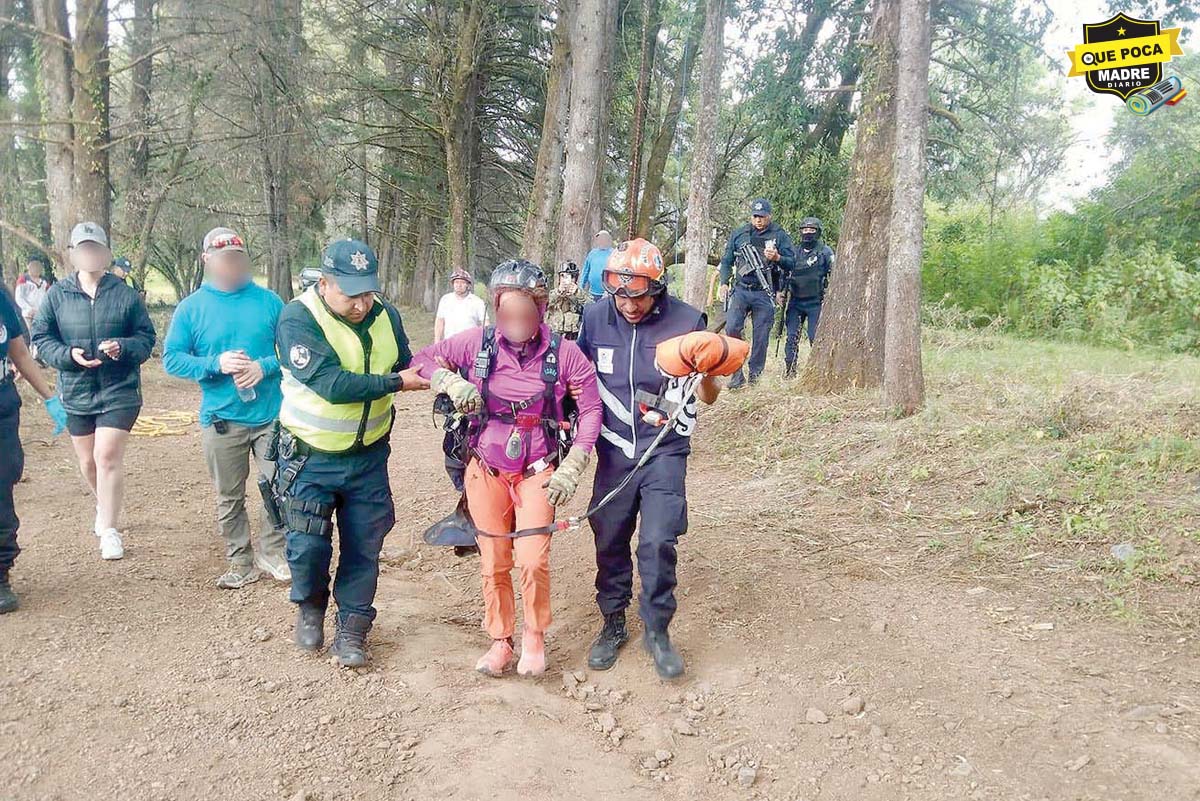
(340, 427)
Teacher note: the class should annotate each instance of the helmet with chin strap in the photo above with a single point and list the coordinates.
(521, 276)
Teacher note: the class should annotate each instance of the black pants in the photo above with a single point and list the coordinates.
(12, 464)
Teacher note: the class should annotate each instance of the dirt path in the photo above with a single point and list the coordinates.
(140, 680)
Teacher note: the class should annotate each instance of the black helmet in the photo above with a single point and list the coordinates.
(518, 274)
(569, 267)
(812, 222)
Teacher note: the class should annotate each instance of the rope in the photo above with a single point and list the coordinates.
(167, 424)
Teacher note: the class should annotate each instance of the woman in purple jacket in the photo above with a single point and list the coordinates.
(517, 378)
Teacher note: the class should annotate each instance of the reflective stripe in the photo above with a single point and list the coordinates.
(614, 404)
(616, 439)
(336, 425)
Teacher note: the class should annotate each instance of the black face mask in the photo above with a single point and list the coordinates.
(808, 240)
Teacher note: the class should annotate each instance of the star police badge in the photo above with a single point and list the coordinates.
(359, 260)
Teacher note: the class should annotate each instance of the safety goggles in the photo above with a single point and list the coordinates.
(628, 285)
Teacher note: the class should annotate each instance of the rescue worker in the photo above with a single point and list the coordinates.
(341, 350)
(14, 350)
(753, 291)
(518, 377)
(806, 286)
(619, 335)
(566, 302)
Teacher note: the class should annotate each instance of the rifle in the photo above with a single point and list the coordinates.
(750, 256)
(787, 298)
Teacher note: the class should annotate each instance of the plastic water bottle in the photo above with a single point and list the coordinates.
(246, 394)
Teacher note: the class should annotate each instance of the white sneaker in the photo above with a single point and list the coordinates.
(111, 546)
(273, 565)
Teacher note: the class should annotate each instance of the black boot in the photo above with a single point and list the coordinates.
(310, 626)
(604, 650)
(350, 642)
(9, 602)
(667, 660)
(789, 370)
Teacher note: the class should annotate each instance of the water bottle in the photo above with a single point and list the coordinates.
(246, 394)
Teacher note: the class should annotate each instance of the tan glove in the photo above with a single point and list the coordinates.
(562, 485)
(463, 394)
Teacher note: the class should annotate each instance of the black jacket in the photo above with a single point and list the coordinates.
(758, 239)
(69, 318)
(810, 277)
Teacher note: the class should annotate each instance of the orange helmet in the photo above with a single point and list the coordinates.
(635, 268)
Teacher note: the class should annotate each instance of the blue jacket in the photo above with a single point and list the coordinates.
(624, 357)
(209, 322)
(592, 276)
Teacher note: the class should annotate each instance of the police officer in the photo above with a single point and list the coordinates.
(754, 286)
(566, 302)
(806, 285)
(341, 349)
(619, 335)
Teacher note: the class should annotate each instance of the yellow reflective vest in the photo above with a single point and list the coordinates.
(340, 427)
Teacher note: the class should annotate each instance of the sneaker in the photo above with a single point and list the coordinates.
(238, 576)
(497, 660)
(111, 546)
(273, 565)
(533, 654)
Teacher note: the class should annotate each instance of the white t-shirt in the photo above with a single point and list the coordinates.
(461, 314)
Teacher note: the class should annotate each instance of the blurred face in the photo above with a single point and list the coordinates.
(517, 317)
(760, 221)
(604, 240)
(461, 287)
(566, 279)
(353, 308)
(90, 257)
(228, 269)
(634, 310)
(34, 268)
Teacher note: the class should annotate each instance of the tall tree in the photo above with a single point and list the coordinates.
(546, 188)
(91, 116)
(903, 381)
(590, 48)
(137, 200)
(704, 155)
(849, 348)
(55, 62)
(651, 20)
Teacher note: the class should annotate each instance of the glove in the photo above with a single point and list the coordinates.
(58, 415)
(701, 352)
(562, 485)
(463, 394)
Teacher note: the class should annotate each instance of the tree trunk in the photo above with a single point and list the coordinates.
(590, 49)
(704, 155)
(651, 20)
(849, 348)
(546, 189)
(903, 381)
(90, 119)
(660, 149)
(9, 268)
(54, 83)
(141, 42)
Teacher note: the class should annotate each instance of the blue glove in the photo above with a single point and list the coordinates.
(58, 415)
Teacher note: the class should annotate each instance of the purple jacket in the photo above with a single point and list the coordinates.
(518, 380)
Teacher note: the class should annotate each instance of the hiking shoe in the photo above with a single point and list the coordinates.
(350, 642)
(604, 650)
(533, 653)
(238, 576)
(497, 660)
(9, 602)
(667, 660)
(111, 546)
(310, 627)
(274, 565)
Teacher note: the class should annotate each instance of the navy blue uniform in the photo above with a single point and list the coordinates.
(12, 457)
(749, 296)
(807, 283)
(355, 484)
(624, 359)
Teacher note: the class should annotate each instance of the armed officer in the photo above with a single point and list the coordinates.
(806, 287)
(757, 259)
(341, 349)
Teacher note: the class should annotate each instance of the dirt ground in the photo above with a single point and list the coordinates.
(808, 678)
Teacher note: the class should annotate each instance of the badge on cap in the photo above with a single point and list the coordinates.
(299, 356)
(359, 260)
(758, 207)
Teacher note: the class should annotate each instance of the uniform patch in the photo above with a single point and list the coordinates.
(604, 360)
(359, 260)
(300, 356)
(3, 334)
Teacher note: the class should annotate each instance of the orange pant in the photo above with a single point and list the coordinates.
(500, 504)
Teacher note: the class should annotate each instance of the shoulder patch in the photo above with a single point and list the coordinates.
(299, 356)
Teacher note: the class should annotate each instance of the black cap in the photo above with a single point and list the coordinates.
(760, 207)
(352, 265)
